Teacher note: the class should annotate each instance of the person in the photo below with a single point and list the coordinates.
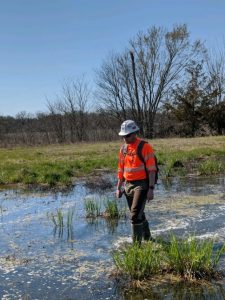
(136, 179)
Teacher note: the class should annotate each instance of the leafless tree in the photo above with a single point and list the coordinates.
(57, 119)
(76, 102)
(70, 109)
(216, 68)
(134, 83)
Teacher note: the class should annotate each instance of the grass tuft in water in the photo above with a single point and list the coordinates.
(92, 208)
(139, 262)
(112, 211)
(187, 258)
(70, 215)
(58, 218)
(211, 167)
(193, 259)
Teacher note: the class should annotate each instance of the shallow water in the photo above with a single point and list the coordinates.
(39, 261)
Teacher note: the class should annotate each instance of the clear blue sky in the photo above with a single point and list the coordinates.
(43, 42)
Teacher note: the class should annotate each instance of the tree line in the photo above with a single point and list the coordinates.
(169, 85)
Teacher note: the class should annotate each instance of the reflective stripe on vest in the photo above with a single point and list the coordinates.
(137, 169)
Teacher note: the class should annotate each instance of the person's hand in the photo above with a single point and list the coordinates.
(150, 195)
(119, 193)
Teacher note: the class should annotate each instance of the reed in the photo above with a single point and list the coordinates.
(139, 262)
(92, 208)
(193, 259)
(58, 218)
(211, 167)
(111, 209)
(70, 216)
(187, 258)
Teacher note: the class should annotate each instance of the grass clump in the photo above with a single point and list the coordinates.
(92, 208)
(58, 218)
(139, 262)
(193, 259)
(103, 207)
(187, 258)
(112, 211)
(211, 167)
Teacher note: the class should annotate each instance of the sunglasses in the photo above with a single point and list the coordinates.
(127, 136)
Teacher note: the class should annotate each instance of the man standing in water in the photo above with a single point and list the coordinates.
(138, 176)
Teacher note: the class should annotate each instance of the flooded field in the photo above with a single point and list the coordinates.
(41, 261)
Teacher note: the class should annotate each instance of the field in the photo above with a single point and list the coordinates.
(60, 165)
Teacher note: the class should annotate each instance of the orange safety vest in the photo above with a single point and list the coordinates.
(130, 167)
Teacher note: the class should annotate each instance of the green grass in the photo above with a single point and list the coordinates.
(104, 207)
(139, 262)
(57, 165)
(92, 208)
(211, 167)
(193, 259)
(112, 211)
(58, 218)
(187, 258)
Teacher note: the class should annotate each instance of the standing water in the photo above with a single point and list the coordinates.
(39, 260)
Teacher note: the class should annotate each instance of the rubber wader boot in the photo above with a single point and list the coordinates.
(146, 231)
(137, 232)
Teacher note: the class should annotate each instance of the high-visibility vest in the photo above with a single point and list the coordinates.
(130, 167)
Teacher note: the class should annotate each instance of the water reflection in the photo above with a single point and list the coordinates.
(98, 223)
(64, 233)
(192, 185)
(184, 291)
(181, 206)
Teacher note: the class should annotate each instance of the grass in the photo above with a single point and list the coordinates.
(193, 259)
(92, 208)
(139, 262)
(58, 218)
(60, 221)
(112, 211)
(56, 165)
(211, 167)
(104, 207)
(187, 258)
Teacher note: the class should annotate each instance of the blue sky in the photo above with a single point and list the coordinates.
(44, 42)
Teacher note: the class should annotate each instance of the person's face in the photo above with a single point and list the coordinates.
(129, 138)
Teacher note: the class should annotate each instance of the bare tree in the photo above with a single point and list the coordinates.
(75, 96)
(57, 119)
(70, 109)
(216, 70)
(134, 83)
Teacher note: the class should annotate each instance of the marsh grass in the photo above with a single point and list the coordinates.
(193, 259)
(58, 218)
(139, 262)
(211, 167)
(57, 165)
(187, 258)
(92, 208)
(112, 209)
(104, 207)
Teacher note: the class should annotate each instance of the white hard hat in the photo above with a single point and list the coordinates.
(128, 127)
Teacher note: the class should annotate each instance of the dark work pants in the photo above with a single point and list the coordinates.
(136, 194)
